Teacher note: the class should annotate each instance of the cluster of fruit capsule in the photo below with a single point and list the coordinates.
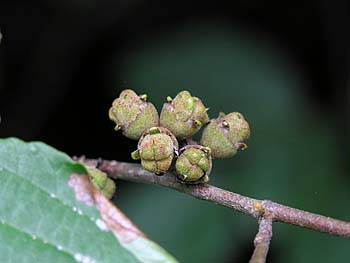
(180, 118)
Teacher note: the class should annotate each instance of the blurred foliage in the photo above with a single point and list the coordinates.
(292, 156)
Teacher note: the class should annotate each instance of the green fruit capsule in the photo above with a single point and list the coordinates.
(156, 149)
(184, 115)
(194, 164)
(101, 181)
(132, 114)
(226, 135)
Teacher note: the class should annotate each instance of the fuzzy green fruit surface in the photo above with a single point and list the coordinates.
(225, 135)
(156, 149)
(193, 164)
(184, 115)
(132, 114)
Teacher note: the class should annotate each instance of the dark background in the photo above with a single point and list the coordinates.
(282, 64)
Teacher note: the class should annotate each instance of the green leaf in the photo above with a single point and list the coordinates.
(42, 221)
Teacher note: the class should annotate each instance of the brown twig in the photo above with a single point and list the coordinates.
(253, 207)
(262, 241)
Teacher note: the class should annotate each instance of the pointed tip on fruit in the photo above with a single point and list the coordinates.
(135, 155)
(207, 151)
(117, 128)
(225, 124)
(154, 130)
(241, 146)
(143, 97)
(169, 99)
(206, 109)
(206, 178)
(197, 123)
